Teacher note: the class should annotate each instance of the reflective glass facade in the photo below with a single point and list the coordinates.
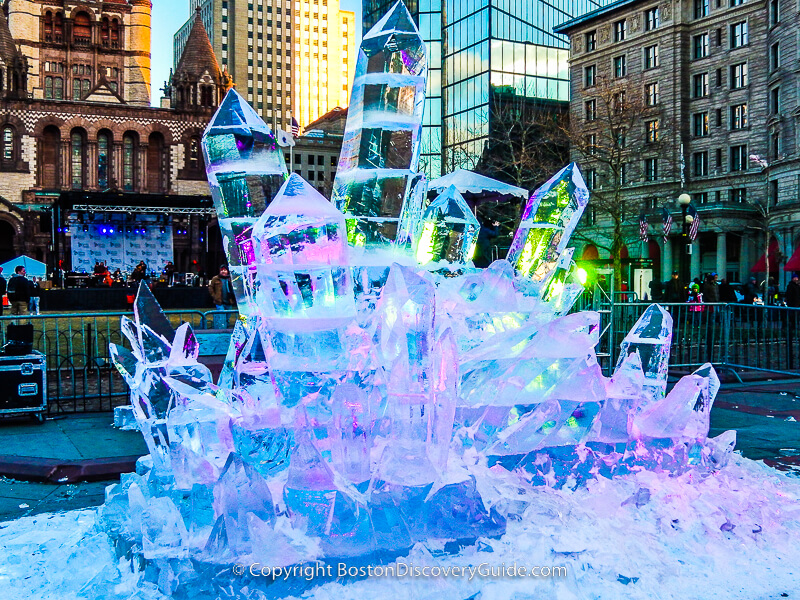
(476, 47)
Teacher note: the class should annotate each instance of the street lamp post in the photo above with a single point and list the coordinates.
(686, 250)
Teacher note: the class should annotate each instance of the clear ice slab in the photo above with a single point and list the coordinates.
(449, 230)
(377, 173)
(549, 218)
(245, 169)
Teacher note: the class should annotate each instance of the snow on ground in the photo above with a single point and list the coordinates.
(734, 535)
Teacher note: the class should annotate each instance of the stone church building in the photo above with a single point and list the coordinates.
(78, 135)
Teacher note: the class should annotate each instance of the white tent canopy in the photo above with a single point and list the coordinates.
(469, 182)
(33, 268)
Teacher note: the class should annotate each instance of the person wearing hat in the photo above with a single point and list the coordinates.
(673, 290)
(221, 290)
(695, 297)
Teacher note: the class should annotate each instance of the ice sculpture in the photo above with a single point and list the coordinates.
(245, 168)
(547, 223)
(449, 230)
(362, 410)
(377, 186)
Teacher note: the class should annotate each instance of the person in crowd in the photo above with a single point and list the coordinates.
(2, 290)
(36, 294)
(792, 297)
(695, 298)
(19, 291)
(673, 291)
(726, 292)
(656, 290)
(750, 291)
(221, 290)
(711, 289)
(98, 268)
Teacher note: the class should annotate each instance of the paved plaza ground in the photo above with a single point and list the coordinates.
(766, 415)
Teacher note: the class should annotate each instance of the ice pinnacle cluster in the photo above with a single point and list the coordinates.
(364, 408)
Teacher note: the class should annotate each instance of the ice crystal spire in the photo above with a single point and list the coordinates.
(245, 169)
(449, 230)
(377, 170)
(548, 221)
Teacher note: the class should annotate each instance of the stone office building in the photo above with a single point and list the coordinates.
(724, 74)
(76, 126)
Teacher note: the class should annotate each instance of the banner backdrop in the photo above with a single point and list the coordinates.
(120, 250)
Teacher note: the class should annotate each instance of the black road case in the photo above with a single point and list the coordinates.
(23, 384)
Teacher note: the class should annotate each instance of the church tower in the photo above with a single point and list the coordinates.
(198, 84)
(13, 66)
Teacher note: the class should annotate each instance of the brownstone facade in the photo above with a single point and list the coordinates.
(726, 77)
(76, 117)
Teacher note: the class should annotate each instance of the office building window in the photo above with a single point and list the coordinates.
(651, 93)
(700, 164)
(652, 19)
(738, 195)
(651, 131)
(738, 158)
(590, 107)
(739, 116)
(651, 57)
(620, 66)
(651, 169)
(775, 100)
(700, 46)
(700, 85)
(700, 124)
(739, 34)
(620, 30)
(738, 76)
(774, 56)
(701, 8)
(589, 74)
(591, 41)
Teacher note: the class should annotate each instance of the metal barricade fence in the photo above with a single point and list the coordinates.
(82, 378)
(730, 336)
(80, 373)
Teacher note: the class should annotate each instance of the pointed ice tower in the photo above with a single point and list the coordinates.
(378, 164)
(245, 169)
(650, 338)
(449, 230)
(301, 252)
(549, 219)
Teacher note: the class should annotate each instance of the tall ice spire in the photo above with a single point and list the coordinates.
(378, 164)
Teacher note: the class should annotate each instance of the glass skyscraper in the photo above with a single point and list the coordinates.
(475, 48)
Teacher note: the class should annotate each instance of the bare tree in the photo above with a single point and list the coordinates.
(621, 124)
(526, 144)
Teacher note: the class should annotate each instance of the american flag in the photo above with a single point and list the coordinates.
(667, 218)
(295, 127)
(694, 229)
(643, 228)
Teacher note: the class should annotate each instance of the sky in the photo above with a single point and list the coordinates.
(169, 15)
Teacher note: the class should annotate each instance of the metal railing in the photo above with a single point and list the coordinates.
(82, 378)
(730, 336)
(80, 374)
